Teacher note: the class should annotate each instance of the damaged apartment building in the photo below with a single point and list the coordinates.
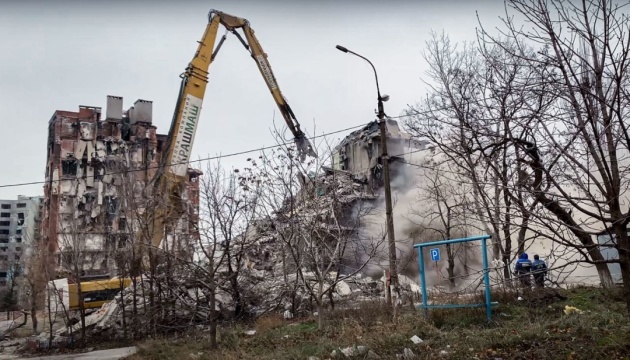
(360, 153)
(97, 170)
(353, 183)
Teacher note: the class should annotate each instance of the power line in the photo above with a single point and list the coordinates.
(415, 113)
(194, 161)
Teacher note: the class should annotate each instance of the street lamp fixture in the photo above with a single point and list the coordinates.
(380, 99)
(393, 273)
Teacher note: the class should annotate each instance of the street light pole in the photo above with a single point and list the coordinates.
(393, 273)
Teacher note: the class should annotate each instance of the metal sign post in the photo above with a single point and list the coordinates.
(435, 256)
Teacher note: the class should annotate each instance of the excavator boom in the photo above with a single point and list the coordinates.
(171, 178)
(251, 43)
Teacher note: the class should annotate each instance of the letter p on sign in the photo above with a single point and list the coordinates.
(435, 254)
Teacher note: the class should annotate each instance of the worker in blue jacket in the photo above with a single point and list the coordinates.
(539, 270)
(522, 270)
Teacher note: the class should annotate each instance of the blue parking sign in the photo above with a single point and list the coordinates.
(435, 254)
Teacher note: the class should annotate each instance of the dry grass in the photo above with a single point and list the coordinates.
(533, 329)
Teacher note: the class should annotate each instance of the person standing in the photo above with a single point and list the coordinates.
(539, 270)
(522, 270)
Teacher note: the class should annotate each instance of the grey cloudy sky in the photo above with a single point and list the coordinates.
(57, 55)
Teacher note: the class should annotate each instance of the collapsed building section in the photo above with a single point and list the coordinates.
(98, 176)
(360, 152)
(337, 202)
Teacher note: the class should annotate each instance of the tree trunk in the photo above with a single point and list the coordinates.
(236, 295)
(330, 298)
(122, 305)
(213, 316)
(50, 319)
(81, 309)
(624, 263)
(320, 312)
(451, 266)
(34, 309)
(623, 246)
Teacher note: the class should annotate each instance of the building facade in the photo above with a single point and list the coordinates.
(19, 221)
(98, 172)
(359, 153)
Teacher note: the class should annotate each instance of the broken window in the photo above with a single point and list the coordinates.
(20, 221)
(123, 241)
(69, 167)
(18, 232)
(21, 205)
(5, 223)
(3, 249)
(125, 129)
(18, 248)
(3, 274)
(18, 239)
(122, 224)
(4, 240)
(6, 206)
(4, 231)
(87, 130)
(5, 215)
(111, 204)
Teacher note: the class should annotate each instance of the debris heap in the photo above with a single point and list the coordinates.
(191, 304)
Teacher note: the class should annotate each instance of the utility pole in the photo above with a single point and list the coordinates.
(382, 121)
(389, 208)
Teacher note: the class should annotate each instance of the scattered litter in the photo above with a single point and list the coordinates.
(408, 354)
(250, 332)
(351, 351)
(416, 339)
(347, 351)
(572, 310)
(443, 353)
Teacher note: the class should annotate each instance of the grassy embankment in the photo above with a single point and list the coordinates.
(532, 329)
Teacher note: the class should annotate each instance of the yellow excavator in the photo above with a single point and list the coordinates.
(172, 176)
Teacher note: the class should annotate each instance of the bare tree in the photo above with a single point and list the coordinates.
(77, 256)
(443, 205)
(227, 211)
(475, 95)
(316, 212)
(37, 264)
(580, 179)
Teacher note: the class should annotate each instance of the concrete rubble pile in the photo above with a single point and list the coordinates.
(267, 279)
(192, 304)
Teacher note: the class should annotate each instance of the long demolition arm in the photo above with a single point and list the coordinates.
(171, 180)
(232, 23)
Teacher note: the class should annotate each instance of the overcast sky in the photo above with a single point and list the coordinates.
(58, 55)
